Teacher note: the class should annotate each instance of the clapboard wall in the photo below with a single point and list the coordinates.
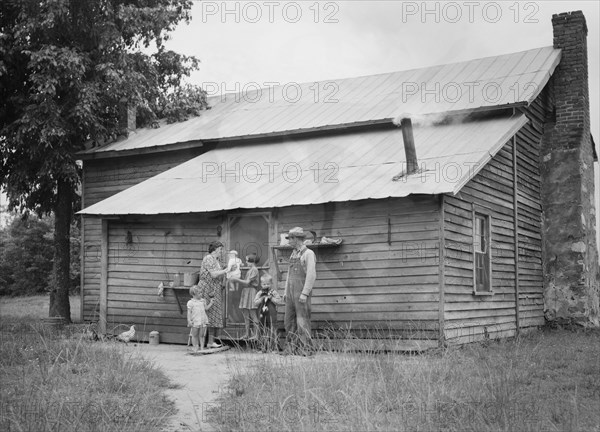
(529, 210)
(384, 278)
(158, 248)
(469, 317)
(508, 189)
(103, 178)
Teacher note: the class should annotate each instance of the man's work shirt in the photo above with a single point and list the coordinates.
(308, 262)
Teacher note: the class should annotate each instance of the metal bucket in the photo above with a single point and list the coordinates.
(154, 338)
(190, 279)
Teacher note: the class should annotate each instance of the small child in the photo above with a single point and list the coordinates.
(197, 318)
(266, 300)
(234, 269)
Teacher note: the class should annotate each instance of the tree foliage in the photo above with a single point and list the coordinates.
(26, 256)
(66, 66)
(26, 253)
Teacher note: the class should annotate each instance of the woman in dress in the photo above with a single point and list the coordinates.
(211, 272)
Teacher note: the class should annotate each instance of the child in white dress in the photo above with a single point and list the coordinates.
(197, 318)
(234, 269)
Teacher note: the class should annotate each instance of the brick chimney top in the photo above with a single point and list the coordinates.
(570, 18)
(571, 76)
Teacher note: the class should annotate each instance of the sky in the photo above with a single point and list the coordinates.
(244, 44)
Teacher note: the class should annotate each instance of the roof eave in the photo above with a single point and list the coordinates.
(107, 154)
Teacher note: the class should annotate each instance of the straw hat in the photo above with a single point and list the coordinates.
(296, 232)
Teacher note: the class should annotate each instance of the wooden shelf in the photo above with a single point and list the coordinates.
(180, 292)
(275, 249)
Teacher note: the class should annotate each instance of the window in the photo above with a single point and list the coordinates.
(482, 254)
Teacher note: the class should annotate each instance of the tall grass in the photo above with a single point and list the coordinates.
(545, 381)
(56, 380)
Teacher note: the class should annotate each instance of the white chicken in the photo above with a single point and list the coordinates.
(127, 335)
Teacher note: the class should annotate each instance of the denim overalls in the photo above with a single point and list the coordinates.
(297, 315)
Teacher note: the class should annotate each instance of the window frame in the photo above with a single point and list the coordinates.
(478, 212)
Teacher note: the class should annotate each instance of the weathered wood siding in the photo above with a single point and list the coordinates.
(160, 247)
(384, 278)
(470, 317)
(531, 277)
(103, 178)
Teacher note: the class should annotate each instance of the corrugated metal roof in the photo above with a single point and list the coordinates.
(342, 167)
(504, 80)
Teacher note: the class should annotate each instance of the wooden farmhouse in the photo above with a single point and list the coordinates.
(462, 194)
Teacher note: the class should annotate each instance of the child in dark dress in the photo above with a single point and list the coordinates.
(266, 302)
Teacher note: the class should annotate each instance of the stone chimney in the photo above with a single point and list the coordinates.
(571, 269)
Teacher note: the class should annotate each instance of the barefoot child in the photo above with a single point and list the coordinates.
(266, 301)
(197, 318)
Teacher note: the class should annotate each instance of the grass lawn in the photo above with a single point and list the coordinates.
(34, 307)
(58, 380)
(546, 381)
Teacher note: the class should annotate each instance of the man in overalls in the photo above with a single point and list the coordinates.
(298, 286)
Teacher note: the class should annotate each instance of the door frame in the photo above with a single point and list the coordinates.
(271, 231)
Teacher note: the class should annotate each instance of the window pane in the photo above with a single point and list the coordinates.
(481, 255)
(480, 234)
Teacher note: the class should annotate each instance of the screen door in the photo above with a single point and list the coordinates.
(247, 234)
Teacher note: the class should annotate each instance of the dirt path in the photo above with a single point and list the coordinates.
(209, 372)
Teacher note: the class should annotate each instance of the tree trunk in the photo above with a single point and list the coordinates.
(61, 277)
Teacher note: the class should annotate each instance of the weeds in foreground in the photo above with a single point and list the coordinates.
(53, 380)
(544, 381)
